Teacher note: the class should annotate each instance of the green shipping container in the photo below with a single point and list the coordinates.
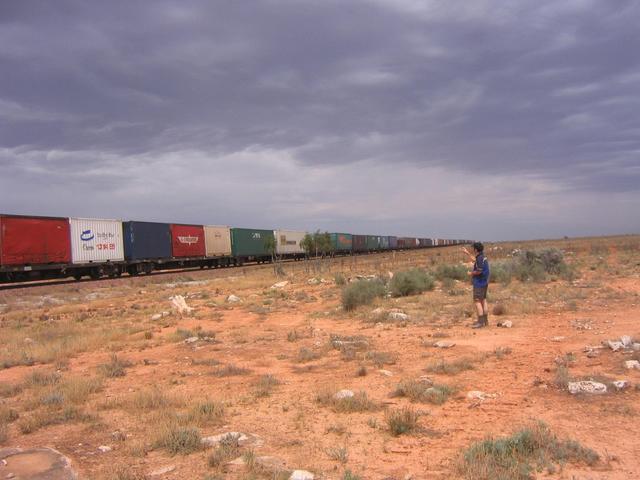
(372, 242)
(249, 242)
(341, 242)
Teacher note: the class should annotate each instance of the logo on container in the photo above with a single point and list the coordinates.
(189, 240)
(86, 236)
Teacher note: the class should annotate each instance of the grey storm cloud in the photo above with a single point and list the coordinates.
(144, 100)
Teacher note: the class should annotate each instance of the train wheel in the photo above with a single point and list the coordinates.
(77, 277)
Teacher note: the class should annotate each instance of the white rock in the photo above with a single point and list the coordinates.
(191, 340)
(104, 448)
(282, 284)
(162, 471)
(557, 339)
(180, 304)
(233, 299)
(614, 345)
(587, 386)
(478, 395)
(626, 341)
(343, 394)
(505, 324)
(620, 384)
(301, 475)
(631, 364)
(398, 316)
(156, 316)
(377, 311)
(214, 440)
(444, 344)
(386, 373)
(313, 281)
(636, 347)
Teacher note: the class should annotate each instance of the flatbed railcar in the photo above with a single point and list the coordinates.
(43, 248)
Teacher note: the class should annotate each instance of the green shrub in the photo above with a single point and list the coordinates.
(361, 292)
(453, 272)
(340, 279)
(522, 454)
(177, 439)
(424, 392)
(411, 282)
(402, 421)
(502, 271)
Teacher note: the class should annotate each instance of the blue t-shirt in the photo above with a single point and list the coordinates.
(481, 265)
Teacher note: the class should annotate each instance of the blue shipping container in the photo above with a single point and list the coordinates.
(146, 240)
(393, 242)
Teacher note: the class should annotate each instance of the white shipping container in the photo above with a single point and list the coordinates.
(288, 241)
(96, 240)
(217, 241)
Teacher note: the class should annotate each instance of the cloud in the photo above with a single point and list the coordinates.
(159, 109)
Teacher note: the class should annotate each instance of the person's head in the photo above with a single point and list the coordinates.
(478, 247)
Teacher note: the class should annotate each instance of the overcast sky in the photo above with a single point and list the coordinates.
(463, 119)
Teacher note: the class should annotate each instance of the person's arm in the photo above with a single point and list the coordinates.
(471, 257)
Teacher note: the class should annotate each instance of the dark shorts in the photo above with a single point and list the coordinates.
(479, 293)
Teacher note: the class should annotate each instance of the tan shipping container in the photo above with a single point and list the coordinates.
(217, 241)
(288, 241)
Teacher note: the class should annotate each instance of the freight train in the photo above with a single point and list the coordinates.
(37, 248)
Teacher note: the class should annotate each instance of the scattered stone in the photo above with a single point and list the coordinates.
(505, 324)
(587, 386)
(425, 379)
(104, 448)
(557, 339)
(242, 438)
(119, 436)
(398, 316)
(620, 384)
(301, 475)
(36, 463)
(160, 315)
(478, 395)
(377, 311)
(636, 347)
(343, 394)
(313, 281)
(386, 373)
(162, 471)
(233, 299)
(278, 285)
(614, 345)
(191, 340)
(444, 344)
(180, 304)
(626, 341)
(631, 364)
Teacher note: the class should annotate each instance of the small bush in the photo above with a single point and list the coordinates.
(8, 415)
(402, 421)
(350, 476)
(411, 282)
(152, 399)
(360, 402)
(307, 355)
(115, 368)
(206, 412)
(361, 292)
(177, 439)
(265, 385)
(562, 377)
(230, 371)
(340, 279)
(450, 368)
(519, 456)
(338, 454)
(499, 309)
(424, 392)
(4, 435)
(227, 449)
(502, 272)
(42, 379)
(453, 272)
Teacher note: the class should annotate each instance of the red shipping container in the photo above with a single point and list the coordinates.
(187, 240)
(34, 240)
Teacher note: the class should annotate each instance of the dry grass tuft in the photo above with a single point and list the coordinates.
(115, 367)
(230, 371)
(360, 402)
(450, 368)
(424, 392)
(402, 421)
(265, 385)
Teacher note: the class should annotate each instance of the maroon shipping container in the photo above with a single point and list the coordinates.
(187, 240)
(34, 240)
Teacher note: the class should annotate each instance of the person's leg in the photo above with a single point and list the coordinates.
(485, 311)
(479, 307)
(477, 301)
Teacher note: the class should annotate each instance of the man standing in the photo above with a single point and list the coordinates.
(480, 277)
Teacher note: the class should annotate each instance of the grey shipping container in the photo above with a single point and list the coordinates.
(359, 243)
(248, 242)
(393, 242)
(384, 243)
(146, 241)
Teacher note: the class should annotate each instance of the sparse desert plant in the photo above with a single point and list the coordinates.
(339, 279)
(359, 402)
(425, 392)
(519, 456)
(8, 390)
(502, 271)
(562, 377)
(230, 370)
(4, 432)
(206, 412)
(123, 472)
(293, 336)
(176, 439)
(307, 355)
(151, 399)
(338, 454)
(380, 359)
(450, 368)
(116, 367)
(227, 449)
(404, 420)
(361, 292)
(8, 415)
(501, 352)
(42, 379)
(453, 272)
(265, 385)
(411, 282)
(348, 475)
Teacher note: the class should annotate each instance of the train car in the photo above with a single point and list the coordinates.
(393, 242)
(383, 242)
(33, 247)
(289, 243)
(251, 245)
(359, 243)
(373, 243)
(187, 241)
(217, 241)
(342, 242)
(147, 245)
(97, 247)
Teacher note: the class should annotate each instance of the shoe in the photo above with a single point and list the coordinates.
(478, 324)
(485, 320)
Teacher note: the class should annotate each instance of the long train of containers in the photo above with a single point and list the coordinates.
(55, 247)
